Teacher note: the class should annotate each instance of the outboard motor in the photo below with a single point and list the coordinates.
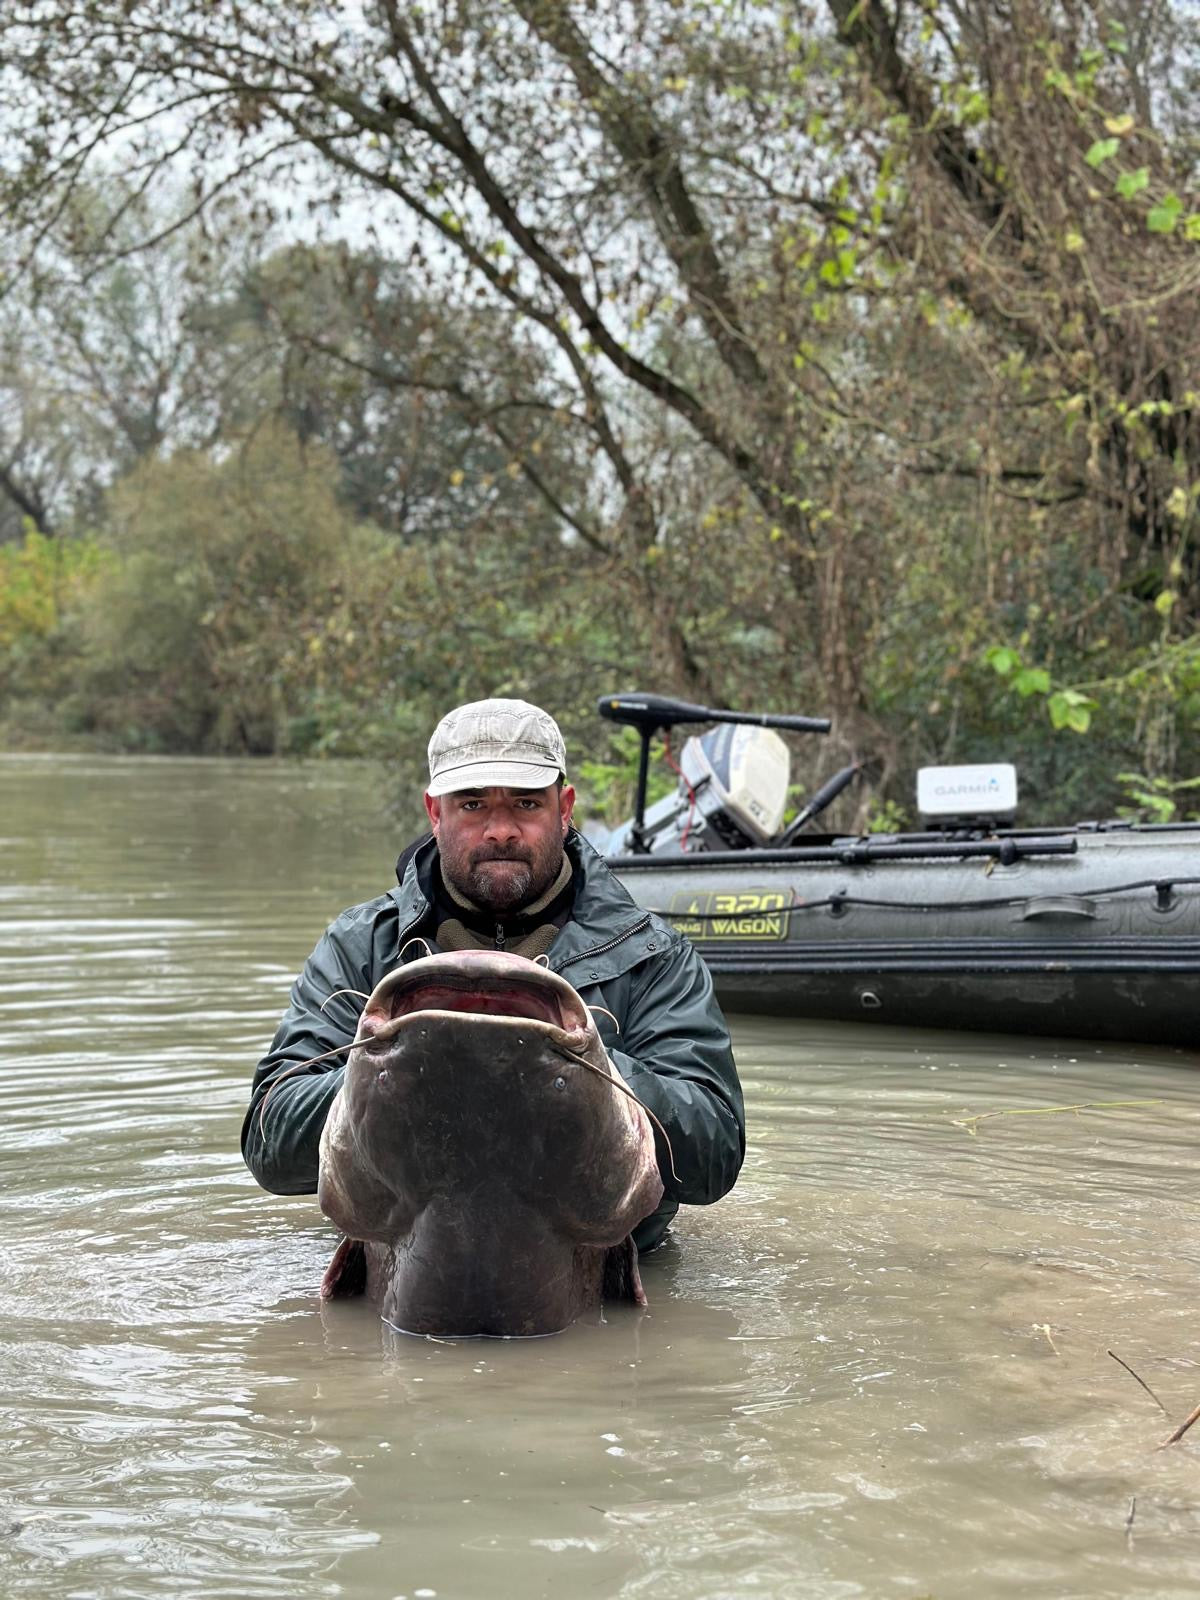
(732, 792)
(733, 779)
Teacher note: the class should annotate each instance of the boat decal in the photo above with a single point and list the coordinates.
(740, 914)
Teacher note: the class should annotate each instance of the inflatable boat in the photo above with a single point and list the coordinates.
(1090, 931)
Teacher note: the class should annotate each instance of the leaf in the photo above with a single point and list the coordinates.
(1032, 680)
(1069, 708)
(1073, 241)
(1119, 124)
(1131, 183)
(1164, 602)
(1163, 217)
(1101, 150)
(1002, 658)
(1191, 225)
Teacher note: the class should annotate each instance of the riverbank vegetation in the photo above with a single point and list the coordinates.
(839, 358)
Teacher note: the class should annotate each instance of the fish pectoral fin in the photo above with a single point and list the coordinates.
(346, 1274)
(622, 1280)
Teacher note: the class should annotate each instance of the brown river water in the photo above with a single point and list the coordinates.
(880, 1367)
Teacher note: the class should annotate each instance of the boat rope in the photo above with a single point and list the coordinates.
(687, 784)
(840, 901)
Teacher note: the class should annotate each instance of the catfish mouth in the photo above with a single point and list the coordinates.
(405, 994)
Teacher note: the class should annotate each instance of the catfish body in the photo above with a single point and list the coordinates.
(483, 1156)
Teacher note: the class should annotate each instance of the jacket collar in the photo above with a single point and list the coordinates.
(608, 932)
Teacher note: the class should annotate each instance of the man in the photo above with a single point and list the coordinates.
(505, 870)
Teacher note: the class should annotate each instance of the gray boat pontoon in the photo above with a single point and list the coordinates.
(1091, 931)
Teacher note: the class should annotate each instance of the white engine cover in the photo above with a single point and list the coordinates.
(747, 771)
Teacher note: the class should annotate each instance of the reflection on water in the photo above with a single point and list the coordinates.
(879, 1367)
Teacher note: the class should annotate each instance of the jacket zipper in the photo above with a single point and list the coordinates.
(405, 932)
(603, 949)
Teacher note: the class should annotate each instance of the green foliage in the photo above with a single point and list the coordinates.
(888, 816)
(1131, 183)
(1066, 707)
(1101, 150)
(1161, 218)
(1155, 799)
(1069, 708)
(45, 584)
(221, 570)
(608, 785)
(40, 580)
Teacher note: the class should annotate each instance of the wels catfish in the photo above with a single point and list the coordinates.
(483, 1157)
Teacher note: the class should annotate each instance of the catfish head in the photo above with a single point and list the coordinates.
(483, 1156)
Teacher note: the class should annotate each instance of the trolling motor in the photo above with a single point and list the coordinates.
(733, 779)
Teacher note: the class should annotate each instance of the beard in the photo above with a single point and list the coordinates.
(498, 879)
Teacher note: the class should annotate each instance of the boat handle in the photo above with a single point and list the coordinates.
(1059, 905)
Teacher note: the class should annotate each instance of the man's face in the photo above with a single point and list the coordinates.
(501, 848)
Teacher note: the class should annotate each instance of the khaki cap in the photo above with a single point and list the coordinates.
(503, 743)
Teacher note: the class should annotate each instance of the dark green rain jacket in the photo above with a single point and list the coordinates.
(672, 1049)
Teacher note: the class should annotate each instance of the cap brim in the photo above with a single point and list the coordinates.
(493, 774)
